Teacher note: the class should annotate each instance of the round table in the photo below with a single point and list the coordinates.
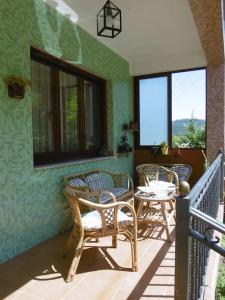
(156, 197)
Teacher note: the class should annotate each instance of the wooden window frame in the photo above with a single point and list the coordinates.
(56, 66)
(169, 107)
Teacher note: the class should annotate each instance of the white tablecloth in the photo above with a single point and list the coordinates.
(158, 188)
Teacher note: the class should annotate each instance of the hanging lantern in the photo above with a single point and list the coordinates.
(109, 20)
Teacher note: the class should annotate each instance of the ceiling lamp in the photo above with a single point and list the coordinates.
(109, 20)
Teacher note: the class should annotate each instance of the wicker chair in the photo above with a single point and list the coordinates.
(149, 172)
(101, 220)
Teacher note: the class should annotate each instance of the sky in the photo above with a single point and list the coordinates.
(189, 94)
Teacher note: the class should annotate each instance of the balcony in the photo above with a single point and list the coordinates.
(186, 34)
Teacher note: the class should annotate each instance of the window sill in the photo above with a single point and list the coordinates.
(168, 154)
(72, 162)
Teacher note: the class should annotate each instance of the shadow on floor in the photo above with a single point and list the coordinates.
(153, 231)
(144, 283)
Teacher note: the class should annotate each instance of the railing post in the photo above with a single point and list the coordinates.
(222, 178)
(182, 244)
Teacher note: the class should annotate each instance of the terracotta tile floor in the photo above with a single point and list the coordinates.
(103, 273)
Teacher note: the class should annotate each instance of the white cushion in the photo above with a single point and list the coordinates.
(92, 220)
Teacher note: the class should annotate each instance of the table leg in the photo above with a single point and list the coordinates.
(172, 206)
(139, 210)
(163, 210)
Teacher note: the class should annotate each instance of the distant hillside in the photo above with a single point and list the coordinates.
(179, 126)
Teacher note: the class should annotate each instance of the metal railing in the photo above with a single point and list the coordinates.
(195, 230)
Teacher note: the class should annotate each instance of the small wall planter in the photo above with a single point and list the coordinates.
(16, 91)
(16, 86)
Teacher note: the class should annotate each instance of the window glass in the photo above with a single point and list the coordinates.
(188, 109)
(92, 107)
(41, 108)
(153, 110)
(69, 112)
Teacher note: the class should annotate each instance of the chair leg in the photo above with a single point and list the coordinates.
(114, 241)
(70, 242)
(133, 243)
(134, 252)
(172, 206)
(76, 259)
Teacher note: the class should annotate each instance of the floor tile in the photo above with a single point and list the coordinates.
(103, 272)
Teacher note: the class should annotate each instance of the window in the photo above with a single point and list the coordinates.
(68, 110)
(171, 107)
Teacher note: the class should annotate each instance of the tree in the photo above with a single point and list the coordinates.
(194, 137)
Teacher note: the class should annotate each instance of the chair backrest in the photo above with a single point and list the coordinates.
(149, 172)
(183, 171)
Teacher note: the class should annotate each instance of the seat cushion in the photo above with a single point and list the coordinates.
(117, 192)
(92, 220)
(95, 182)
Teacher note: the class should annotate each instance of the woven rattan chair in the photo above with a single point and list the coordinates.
(101, 220)
(149, 172)
(183, 171)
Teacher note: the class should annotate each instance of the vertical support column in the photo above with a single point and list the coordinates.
(215, 110)
(182, 279)
(209, 21)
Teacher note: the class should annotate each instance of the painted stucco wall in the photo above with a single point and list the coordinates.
(32, 207)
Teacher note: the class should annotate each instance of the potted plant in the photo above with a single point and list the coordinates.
(16, 86)
(164, 148)
(124, 147)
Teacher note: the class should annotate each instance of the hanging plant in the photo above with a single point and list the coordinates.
(16, 86)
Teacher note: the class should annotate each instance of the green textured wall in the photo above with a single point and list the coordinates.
(32, 207)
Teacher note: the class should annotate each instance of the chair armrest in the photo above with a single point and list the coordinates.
(108, 212)
(175, 177)
(123, 177)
